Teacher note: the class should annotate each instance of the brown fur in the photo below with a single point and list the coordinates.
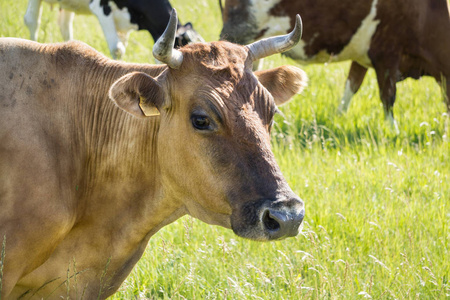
(85, 180)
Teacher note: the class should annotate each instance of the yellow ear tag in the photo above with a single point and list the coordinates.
(149, 110)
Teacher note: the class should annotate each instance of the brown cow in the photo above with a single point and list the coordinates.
(86, 181)
(399, 39)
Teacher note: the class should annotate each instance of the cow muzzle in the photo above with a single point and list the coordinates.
(280, 224)
(267, 220)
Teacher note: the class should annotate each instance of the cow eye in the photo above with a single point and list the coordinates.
(201, 122)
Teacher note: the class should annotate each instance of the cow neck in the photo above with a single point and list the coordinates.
(118, 147)
(121, 163)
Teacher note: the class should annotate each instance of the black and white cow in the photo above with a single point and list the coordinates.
(117, 19)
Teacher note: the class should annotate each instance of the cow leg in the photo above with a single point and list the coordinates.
(445, 86)
(387, 84)
(35, 208)
(65, 21)
(352, 85)
(30, 238)
(32, 18)
(116, 47)
(444, 82)
(123, 37)
(123, 25)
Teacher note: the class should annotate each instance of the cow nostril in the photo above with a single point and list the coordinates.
(269, 222)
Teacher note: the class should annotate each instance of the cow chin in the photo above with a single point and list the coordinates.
(208, 216)
(268, 220)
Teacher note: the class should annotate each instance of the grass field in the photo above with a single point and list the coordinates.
(377, 204)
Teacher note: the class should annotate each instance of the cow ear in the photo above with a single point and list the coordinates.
(283, 82)
(138, 94)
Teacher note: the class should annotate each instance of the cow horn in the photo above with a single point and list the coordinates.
(163, 49)
(276, 44)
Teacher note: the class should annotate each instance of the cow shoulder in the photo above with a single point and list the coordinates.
(283, 82)
(138, 94)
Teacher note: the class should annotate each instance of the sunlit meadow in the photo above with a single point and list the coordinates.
(377, 204)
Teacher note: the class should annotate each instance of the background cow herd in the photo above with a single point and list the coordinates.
(398, 40)
(384, 41)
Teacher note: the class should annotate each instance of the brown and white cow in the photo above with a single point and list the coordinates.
(399, 39)
(97, 155)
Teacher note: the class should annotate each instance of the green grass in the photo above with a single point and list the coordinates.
(377, 204)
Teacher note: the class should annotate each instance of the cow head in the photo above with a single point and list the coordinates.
(239, 22)
(245, 21)
(213, 142)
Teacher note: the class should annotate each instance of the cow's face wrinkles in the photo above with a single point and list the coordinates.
(215, 156)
